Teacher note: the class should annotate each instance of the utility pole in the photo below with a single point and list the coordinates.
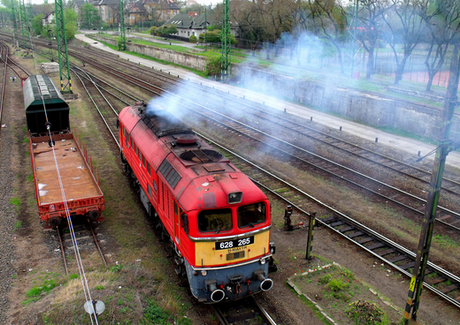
(122, 41)
(15, 25)
(205, 29)
(63, 53)
(153, 17)
(24, 25)
(226, 41)
(426, 235)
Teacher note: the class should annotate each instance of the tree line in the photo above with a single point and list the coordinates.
(330, 28)
(317, 28)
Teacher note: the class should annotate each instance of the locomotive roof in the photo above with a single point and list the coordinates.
(186, 161)
(162, 123)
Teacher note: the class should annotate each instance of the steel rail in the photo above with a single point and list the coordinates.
(61, 244)
(440, 208)
(4, 57)
(96, 242)
(265, 113)
(396, 267)
(181, 100)
(98, 110)
(368, 230)
(220, 315)
(264, 312)
(250, 302)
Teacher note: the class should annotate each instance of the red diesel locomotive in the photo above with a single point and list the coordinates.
(217, 219)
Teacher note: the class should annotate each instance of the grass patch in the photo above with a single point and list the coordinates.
(344, 297)
(36, 292)
(445, 241)
(16, 201)
(17, 224)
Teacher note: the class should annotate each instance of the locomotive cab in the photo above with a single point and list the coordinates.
(231, 243)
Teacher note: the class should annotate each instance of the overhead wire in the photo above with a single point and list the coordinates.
(81, 269)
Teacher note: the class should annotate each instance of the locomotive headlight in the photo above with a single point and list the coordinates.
(262, 261)
(204, 273)
(235, 197)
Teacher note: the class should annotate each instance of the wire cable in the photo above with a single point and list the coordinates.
(81, 269)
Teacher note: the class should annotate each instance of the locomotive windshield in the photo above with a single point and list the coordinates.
(250, 215)
(215, 220)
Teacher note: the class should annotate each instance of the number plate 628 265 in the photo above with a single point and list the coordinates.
(235, 243)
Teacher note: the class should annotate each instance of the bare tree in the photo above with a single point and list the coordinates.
(263, 21)
(328, 21)
(370, 27)
(405, 26)
(443, 21)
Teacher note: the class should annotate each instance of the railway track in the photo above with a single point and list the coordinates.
(8, 63)
(4, 56)
(306, 160)
(384, 191)
(85, 236)
(236, 105)
(243, 311)
(439, 281)
(310, 132)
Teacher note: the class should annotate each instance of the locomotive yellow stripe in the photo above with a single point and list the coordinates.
(207, 255)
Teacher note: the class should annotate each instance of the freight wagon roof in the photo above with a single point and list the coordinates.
(41, 93)
(42, 85)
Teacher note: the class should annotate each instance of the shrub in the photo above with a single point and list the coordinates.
(337, 285)
(363, 312)
(325, 279)
(166, 30)
(193, 39)
(213, 66)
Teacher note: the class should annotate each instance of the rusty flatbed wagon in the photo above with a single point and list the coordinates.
(64, 180)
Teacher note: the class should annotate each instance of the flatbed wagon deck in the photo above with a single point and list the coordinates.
(80, 188)
(77, 179)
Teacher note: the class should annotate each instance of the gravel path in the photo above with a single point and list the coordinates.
(7, 211)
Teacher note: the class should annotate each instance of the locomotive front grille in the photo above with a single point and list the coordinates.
(233, 256)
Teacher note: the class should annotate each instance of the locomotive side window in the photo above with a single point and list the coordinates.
(175, 208)
(149, 168)
(155, 185)
(143, 160)
(250, 215)
(184, 222)
(125, 135)
(215, 220)
(149, 189)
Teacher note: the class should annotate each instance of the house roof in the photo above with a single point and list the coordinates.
(109, 2)
(48, 15)
(189, 20)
